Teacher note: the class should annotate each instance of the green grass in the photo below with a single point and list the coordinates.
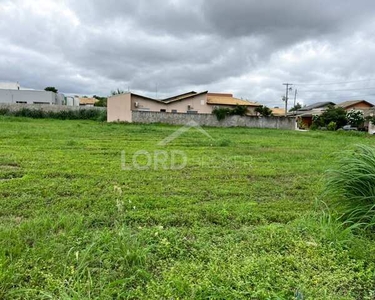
(241, 221)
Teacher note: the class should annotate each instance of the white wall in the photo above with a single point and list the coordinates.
(371, 128)
(28, 96)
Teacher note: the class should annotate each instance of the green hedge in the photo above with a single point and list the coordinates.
(81, 114)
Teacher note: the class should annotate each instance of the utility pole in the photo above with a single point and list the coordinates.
(295, 101)
(287, 96)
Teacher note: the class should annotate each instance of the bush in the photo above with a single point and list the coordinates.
(264, 111)
(352, 186)
(81, 114)
(221, 113)
(102, 101)
(355, 118)
(370, 119)
(240, 110)
(332, 126)
(4, 111)
(333, 114)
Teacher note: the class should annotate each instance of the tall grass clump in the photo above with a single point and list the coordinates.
(351, 186)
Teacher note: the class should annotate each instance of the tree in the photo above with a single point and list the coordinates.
(117, 92)
(51, 89)
(264, 111)
(222, 113)
(296, 107)
(239, 110)
(355, 118)
(102, 101)
(333, 114)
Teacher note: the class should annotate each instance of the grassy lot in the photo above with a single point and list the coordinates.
(242, 220)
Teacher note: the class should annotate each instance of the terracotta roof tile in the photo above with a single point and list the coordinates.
(225, 100)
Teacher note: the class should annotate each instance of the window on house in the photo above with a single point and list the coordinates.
(41, 102)
(21, 102)
(192, 112)
(163, 110)
(174, 111)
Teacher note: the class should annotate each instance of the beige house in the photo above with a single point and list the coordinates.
(278, 112)
(84, 101)
(120, 107)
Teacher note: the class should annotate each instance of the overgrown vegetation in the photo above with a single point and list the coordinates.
(264, 111)
(102, 101)
(331, 114)
(81, 114)
(334, 118)
(332, 126)
(221, 113)
(352, 186)
(117, 92)
(355, 118)
(295, 107)
(240, 221)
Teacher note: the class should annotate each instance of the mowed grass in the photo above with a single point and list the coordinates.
(242, 220)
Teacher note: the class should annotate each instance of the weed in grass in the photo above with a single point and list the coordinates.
(224, 143)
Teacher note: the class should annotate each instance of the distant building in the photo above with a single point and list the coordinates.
(307, 113)
(120, 107)
(10, 86)
(278, 112)
(27, 97)
(13, 93)
(87, 101)
(355, 104)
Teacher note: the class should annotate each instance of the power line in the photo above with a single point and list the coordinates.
(338, 90)
(333, 83)
(340, 97)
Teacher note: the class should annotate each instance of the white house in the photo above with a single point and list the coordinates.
(13, 93)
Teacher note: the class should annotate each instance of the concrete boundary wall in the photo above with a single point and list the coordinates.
(371, 128)
(147, 117)
(47, 107)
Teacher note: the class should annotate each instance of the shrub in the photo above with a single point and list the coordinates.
(333, 114)
(240, 110)
(355, 118)
(371, 119)
(264, 111)
(332, 126)
(221, 113)
(352, 186)
(81, 114)
(4, 111)
(317, 122)
(102, 101)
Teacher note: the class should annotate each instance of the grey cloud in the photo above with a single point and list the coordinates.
(247, 47)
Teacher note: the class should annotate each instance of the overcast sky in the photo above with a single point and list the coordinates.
(246, 47)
